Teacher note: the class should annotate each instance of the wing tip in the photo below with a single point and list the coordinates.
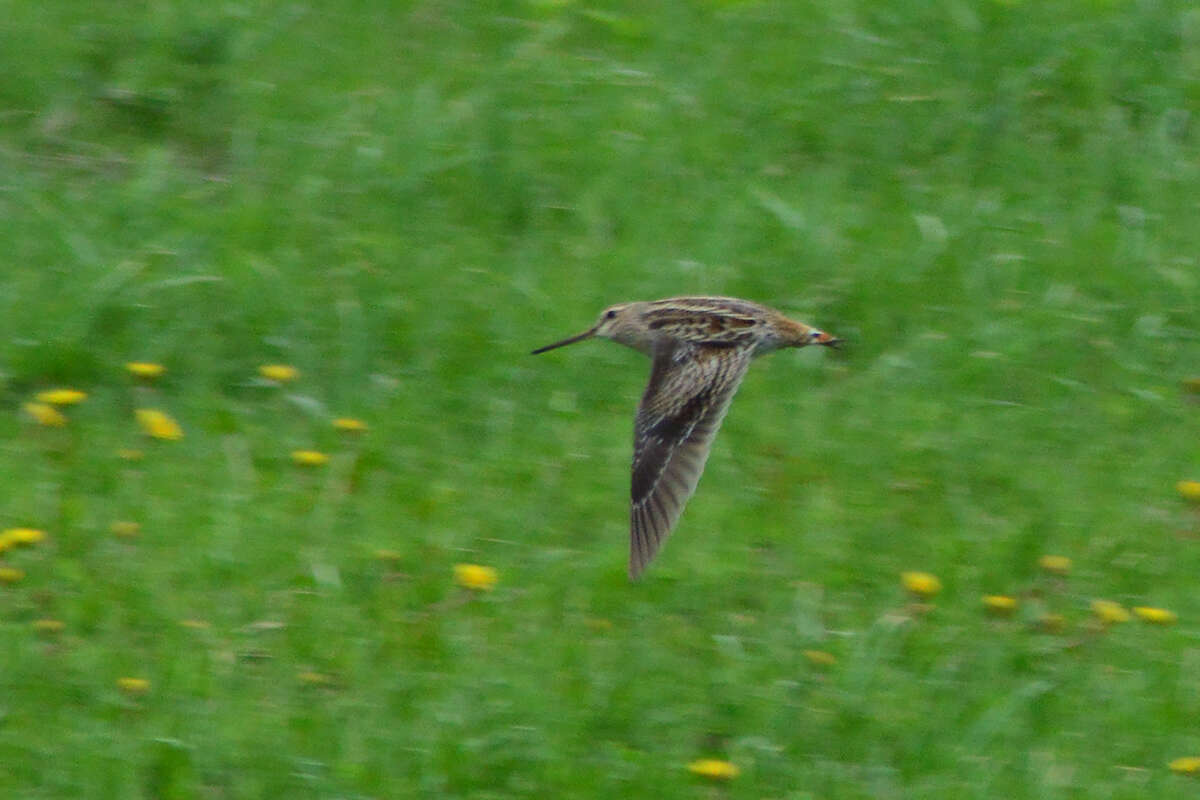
(638, 558)
(646, 536)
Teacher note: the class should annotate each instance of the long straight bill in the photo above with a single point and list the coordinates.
(571, 340)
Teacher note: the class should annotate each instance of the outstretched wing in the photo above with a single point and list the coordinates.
(690, 388)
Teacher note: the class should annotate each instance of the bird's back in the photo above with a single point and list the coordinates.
(708, 321)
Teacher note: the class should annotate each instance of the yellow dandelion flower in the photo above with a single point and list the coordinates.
(130, 454)
(1059, 565)
(61, 397)
(23, 535)
(1052, 623)
(1157, 616)
(999, 604)
(45, 414)
(195, 624)
(714, 769)
(474, 576)
(10, 574)
(1189, 490)
(133, 685)
(145, 369)
(350, 425)
(280, 373)
(1188, 765)
(820, 658)
(158, 424)
(309, 458)
(48, 626)
(19, 536)
(1109, 612)
(921, 584)
(125, 528)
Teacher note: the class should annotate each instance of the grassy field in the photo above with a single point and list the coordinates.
(994, 202)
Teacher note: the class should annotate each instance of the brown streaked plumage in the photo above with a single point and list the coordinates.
(700, 348)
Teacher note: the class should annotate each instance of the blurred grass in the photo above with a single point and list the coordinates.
(993, 201)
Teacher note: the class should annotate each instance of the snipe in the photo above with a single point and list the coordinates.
(700, 348)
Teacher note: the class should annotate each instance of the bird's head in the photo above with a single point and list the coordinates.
(615, 322)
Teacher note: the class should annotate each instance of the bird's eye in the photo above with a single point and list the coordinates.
(815, 335)
(610, 314)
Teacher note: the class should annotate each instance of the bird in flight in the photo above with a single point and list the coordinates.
(699, 348)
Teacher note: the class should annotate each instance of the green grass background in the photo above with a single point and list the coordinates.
(996, 203)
